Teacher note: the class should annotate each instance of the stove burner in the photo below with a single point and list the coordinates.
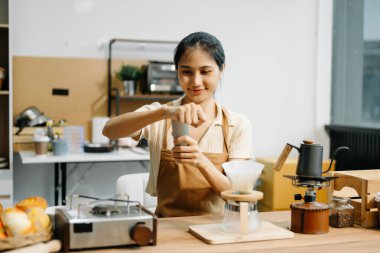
(107, 210)
(310, 182)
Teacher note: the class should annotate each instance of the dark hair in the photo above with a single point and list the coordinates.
(203, 40)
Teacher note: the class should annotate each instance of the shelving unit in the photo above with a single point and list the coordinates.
(114, 93)
(6, 153)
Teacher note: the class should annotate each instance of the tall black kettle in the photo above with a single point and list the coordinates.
(309, 160)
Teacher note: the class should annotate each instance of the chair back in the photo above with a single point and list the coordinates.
(134, 185)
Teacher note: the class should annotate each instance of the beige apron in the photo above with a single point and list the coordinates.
(181, 189)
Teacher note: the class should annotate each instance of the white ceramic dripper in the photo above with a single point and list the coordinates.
(241, 216)
(242, 174)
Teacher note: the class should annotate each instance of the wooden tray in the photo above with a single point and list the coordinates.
(213, 233)
(366, 183)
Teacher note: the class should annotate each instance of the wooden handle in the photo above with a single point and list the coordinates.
(248, 197)
(54, 245)
(141, 234)
(243, 217)
(284, 155)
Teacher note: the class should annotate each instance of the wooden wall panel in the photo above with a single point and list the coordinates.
(35, 77)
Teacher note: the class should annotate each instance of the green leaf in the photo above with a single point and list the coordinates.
(129, 72)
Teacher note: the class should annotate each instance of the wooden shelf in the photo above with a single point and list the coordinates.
(159, 97)
(142, 45)
(4, 92)
(4, 26)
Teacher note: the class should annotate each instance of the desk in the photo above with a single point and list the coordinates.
(60, 163)
(173, 237)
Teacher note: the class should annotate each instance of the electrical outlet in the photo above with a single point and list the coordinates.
(60, 92)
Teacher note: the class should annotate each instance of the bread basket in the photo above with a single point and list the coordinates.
(24, 240)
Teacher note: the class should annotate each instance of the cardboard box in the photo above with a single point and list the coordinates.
(278, 190)
(24, 140)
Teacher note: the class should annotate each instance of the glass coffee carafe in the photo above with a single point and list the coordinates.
(240, 214)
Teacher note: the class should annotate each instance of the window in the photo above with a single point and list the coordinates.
(356, 63)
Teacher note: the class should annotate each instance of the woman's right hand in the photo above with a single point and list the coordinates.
(190, 113)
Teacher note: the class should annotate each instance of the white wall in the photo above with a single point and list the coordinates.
(278, 52)
(271, 49)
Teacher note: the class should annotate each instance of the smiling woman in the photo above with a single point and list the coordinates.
(198, 75)
(186, 173)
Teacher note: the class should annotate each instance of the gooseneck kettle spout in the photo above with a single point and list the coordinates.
(333, 157)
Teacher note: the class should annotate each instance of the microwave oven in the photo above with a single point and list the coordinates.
(162, 78)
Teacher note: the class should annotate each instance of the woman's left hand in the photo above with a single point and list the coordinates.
(188, 152)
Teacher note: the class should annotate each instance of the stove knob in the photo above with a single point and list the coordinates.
(141, 234)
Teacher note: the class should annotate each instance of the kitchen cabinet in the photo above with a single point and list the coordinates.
(278, 190)
(141, 49)
(6, 158)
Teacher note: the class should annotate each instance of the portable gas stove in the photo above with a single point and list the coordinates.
(105, 223)
(309, 216)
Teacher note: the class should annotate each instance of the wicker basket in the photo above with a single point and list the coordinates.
(21, 241)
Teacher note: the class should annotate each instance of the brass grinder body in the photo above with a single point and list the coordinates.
(309, 218)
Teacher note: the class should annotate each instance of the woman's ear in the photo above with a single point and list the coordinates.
(222, 70)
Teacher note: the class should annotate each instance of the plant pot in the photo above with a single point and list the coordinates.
(129, 87)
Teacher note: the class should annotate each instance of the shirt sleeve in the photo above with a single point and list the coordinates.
(241, 142)
(146, 131)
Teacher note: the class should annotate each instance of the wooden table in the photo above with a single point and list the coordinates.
(173, 236)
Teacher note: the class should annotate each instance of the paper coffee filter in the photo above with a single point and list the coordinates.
(242, 174)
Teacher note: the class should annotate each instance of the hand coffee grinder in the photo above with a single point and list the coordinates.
(308, 216)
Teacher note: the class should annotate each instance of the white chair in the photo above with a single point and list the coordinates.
(134, 185)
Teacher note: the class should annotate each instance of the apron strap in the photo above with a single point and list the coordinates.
(225, 128)
(167, 123)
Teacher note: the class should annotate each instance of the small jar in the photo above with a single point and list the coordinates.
(341, 213)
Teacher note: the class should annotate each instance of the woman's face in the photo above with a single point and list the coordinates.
(198, 75)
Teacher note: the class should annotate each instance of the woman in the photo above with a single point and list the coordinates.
(188, 179)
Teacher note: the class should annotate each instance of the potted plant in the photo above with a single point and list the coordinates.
(129, 74)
